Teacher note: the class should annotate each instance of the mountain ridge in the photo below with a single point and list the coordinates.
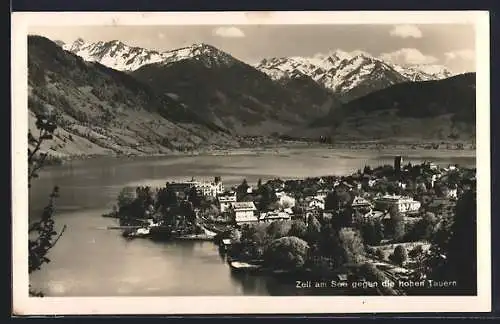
(344, 72)
(434, 109)
(348, 74)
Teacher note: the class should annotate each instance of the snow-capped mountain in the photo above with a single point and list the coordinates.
(344, 72)
(424, 72)
(114, 54)
(119, 56)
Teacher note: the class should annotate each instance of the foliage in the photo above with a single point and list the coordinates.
(380, 254)
(278, 229)
(453, 252)
(399, 256)
(424, 229)
(371, 273)
(242, 190)
(253, 240)
(372, 232)
(42, 234)
(235, 236)
(46, 125)
(397, 222)
(351, 248)
(267, 197)
(166, 198)
(298, 229)
(337, 199)
(288, 252)
(194, 197)
(313, 230)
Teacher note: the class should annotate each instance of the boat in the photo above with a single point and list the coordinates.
(111, 215)
(139, 232)
(240, 266)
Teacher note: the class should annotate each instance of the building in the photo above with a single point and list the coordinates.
(360, 202)
(225, 200)
(208, 189)
(316, 204)
(373, 214)
(244, 212)
(404, 204)
(321, 194)
(274, 216)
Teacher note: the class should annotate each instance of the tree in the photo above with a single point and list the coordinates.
(380, 254)
(337, 199)
(372, 232)
(253, 241)
(259, 183)
(42, 234)
(194, 197)
(400, 255)
(298, 229)
(351, 248)
(397, 222)
(416, 251)
(278, 229)
(267, 197)
(313, 230)
(126, 197)
(235, 236)
(453, 252)
(371, 273)
(288, 253)
(187, 211)
(242, 190)
(166, 198)
(424, 229)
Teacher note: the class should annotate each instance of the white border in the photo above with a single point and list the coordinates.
(24, 305)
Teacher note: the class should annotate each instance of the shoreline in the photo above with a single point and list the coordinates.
(281, 148)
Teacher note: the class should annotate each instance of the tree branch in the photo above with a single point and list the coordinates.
(57, 238)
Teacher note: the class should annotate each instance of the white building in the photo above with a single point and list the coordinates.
(404, 204)
(210, 189)
(360, 202)
(452, 193)
(316, 204)
(274, 216)
(206, 188)
(225, 201)
(244, 212)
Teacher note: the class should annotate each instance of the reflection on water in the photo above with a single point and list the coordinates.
(92, 261)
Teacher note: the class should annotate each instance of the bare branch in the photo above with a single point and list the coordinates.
(57, 238)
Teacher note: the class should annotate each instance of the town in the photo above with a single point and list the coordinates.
(376, 224)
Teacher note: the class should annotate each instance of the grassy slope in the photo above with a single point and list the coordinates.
(432, 110)
(108, 112)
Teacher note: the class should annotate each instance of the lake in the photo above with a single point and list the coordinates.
(90, 260)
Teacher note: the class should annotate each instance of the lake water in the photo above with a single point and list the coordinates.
(92, 261)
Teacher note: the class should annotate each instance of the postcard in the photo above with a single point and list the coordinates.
(250, 162)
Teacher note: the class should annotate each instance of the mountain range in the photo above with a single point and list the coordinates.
(348, 74)
(115, 98)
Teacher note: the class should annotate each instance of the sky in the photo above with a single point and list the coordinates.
(451, 45)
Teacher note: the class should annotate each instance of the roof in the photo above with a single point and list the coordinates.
(244, 205)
